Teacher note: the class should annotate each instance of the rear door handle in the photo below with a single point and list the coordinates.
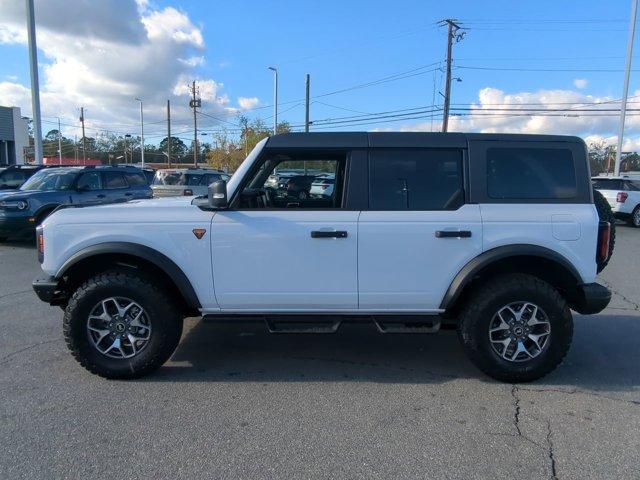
(128, 194)
(100, 195)
(453, 233)
(329, 234)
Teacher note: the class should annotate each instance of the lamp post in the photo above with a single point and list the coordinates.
(275, 99)
(141, 133)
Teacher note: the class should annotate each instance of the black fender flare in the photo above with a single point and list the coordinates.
(160, 260)
(49, 208)
(468, 272)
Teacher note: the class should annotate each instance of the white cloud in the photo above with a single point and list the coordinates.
(248, 103)
(488, 115)
(580, 83)
(101, 55)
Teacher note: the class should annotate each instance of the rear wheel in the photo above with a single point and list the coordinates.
(634, 221)
(605, 215)
(121, 324)
(516, 328)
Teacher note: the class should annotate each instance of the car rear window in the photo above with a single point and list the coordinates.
(607, 184)
(415, 180)
(530, 173)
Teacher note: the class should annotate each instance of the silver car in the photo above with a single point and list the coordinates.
(172, 182)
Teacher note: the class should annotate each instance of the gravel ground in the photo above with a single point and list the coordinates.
(235, 402)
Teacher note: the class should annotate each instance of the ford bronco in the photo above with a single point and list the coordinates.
(497, 235)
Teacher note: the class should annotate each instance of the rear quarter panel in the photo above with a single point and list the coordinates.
(568, 229)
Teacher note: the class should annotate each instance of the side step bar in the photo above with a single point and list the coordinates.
(302, 324)
(404, 324)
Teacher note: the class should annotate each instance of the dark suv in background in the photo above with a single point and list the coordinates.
(12, 176)
(23, 209)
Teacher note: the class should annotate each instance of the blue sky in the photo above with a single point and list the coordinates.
(342, 45)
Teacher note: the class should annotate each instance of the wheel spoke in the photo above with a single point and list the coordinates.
(535, 338)
(520, 348)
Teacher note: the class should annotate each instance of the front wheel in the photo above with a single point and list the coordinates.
(516, 328)
(120, 324)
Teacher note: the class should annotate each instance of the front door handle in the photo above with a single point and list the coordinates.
(329, 234)
(453, 233)
(100, 195)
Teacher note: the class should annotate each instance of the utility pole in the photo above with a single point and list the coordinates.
(59, 143)
(169, 132)
(306, 103)
(35, 84)
(84, 144)
(625, 90)
(195, 103)
(141, 134)
(452, 29)
(125, 148)
(75, 148)
(275, 99)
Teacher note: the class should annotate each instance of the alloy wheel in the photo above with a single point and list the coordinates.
(519, 331)
(118, 327)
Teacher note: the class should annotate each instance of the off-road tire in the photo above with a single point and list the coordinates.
(480, 308)
(633, 217)
(165, 319)
(605, 215)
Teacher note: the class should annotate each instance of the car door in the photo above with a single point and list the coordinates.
(418, 231)
(115, 187)
(89, 189)
(138, 186)
(273, 254)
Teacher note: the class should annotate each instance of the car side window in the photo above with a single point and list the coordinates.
(415, 180)
(531, 173)
(286, 182)
(89, 181)
(135, 179)
(114, 180)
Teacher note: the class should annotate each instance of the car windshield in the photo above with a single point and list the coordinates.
(54, 179)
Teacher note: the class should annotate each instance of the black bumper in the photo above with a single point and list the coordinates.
(591, 298)
(49, 290)
(15, 226)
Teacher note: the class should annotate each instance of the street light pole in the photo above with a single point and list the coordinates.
(625, 90)
(275, 99)
(59, 143)
(35, 84)
(141, 133)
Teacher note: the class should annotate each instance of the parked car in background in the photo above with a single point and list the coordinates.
(623, 195)
(13, 176)
(322, 186)
(171, 182)
(23, 209)
(295, 187)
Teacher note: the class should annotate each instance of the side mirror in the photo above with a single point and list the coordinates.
(218, 195)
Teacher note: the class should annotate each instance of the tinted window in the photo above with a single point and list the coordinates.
(210, 178)
(51, 179)
(89, 181)
(13, 178)
(114, 180)
(632, 186)
(530, 173)
(607, 184)
(415, 180)
(135, 179)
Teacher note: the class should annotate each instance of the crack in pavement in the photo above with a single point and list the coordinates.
(550, 452)
(8, 357)
(575, 391)
(636, 306)
(20, 292)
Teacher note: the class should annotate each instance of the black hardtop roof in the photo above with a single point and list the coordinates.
(402, 139)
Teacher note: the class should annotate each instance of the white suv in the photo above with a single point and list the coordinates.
(496, 234)
(623, 195)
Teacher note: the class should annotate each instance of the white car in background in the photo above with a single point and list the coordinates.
(322, 186)
(623, 195)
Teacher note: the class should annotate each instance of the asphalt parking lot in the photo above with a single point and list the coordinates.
(235, 402)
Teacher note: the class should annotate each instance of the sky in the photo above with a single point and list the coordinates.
(374, 65)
